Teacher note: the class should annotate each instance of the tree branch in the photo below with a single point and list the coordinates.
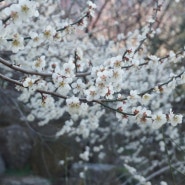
(30, 72)
(11, 80)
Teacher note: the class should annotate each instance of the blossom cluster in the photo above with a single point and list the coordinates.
(107, 87)
(116, 75)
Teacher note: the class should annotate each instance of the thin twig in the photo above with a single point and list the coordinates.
(30, 72)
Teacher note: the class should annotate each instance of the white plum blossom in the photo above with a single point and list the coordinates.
(78, 86)
(66, 128)
(97, 148)
(17, 43)
(117, 76)
(35, 39)
(83, 129)
(28, 9)
(24, 97)
(30, 117)
(92, 93)
(91, 4)
(101, 87)
(85, 155)
(82, 175)
(49, 33)
(116, 62)
(120, 150)
(154, 58)
(91, 7)
(163, 183)
(61, 83)
(13, 12)
(142, 116)
(79, 52)
(74, 106)
(104, 76)
(146, 98)
(68, 69)
(159, 120)
(39, 64)
(172, 54)
(28, 82)
(61, 162)
(175, 119)
(22, 11)
(133, 97)
(110, 92)
(122, 107)
(63, 86)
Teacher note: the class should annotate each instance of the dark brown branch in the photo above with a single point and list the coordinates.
(113, 109)
(17, 68)
(147, 91)
(147, 59)
(30, 72)
(64, 97)
(51, 93)
(11, 80)
(16, 82)
(100, 101)
(61, 29)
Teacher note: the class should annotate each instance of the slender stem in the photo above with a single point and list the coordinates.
(30, 72)
(150, 27)
(11, 80)
(146, 91)
(99, 101)
(113, 109)
(64, 97)
(60, 29)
